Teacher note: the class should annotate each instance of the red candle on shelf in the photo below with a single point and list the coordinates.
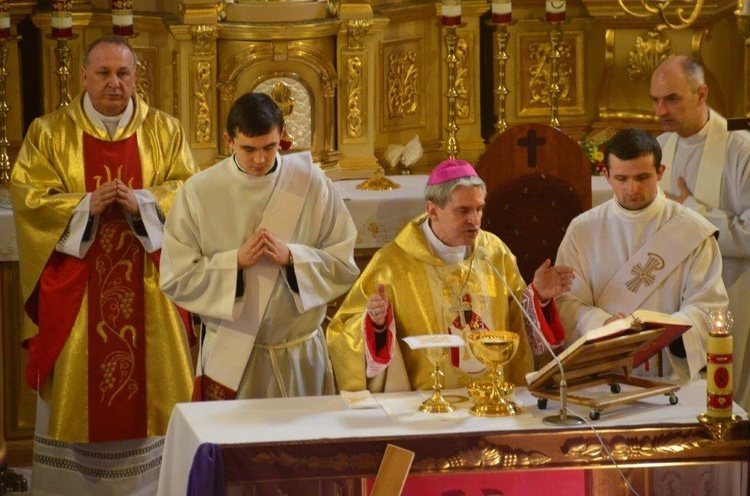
(62, 20)
(451, 12)
(501, 11)
(555, 10)
(122, 17)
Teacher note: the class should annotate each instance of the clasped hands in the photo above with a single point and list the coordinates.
(114, 191)
(263, 244)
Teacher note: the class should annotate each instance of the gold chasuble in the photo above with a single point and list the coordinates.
(429, 296)
(111, 354)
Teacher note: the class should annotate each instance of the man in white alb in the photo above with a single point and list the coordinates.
(640, 250)
(707, 171)
(257, 245)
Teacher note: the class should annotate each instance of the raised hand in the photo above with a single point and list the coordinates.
(552, 281)
(377, 306)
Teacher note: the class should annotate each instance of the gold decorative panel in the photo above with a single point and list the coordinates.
(354, 91)
(464, 77)
(203, 82)
(534, 74)
(402, 72)
(148, 75)
(647, 54)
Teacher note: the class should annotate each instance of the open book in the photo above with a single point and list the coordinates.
(637, 322)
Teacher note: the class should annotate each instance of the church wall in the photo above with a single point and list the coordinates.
(359, 76)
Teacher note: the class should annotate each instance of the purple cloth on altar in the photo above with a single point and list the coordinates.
(207, 472)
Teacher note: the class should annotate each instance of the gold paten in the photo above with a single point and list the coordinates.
(378, 182)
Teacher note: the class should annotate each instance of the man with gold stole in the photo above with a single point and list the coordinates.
(111, 356)
(440, 275)
(708, 171)
(640, 250)
(257, 245)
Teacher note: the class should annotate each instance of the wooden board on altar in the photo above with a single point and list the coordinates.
(608, 361)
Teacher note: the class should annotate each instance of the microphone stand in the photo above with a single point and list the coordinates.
(561, 418)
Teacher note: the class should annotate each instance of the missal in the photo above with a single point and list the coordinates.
(638, 322)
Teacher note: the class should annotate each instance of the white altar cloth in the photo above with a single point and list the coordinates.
(380, 215)
(327, 417)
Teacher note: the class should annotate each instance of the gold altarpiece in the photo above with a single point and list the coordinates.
(356, 76)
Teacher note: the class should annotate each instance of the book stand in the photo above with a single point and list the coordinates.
(600, 362)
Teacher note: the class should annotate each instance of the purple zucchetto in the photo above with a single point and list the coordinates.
(450, 169)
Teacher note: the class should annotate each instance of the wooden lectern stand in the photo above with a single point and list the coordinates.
(606, 361)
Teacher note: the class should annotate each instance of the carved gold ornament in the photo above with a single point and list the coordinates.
(484, 455)
(647, 54)
(403, 84)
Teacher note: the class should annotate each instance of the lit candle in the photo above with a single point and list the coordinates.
(451, 12)
(122, 17)
(62, 20)
(555, 10)
(501, 11)
(719, 364)
(4, 19)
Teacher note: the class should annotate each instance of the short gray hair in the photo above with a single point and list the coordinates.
(109, 40)
(439, 194)
(693, 72)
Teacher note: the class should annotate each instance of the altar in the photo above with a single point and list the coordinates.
(252, 445)
(380, 215)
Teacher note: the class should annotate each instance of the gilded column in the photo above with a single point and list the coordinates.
(358, 37)
(203, 68)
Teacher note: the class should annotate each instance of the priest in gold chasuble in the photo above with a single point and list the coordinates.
(110, 354)
(441, 275)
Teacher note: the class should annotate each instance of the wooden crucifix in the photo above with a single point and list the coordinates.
(531, 141)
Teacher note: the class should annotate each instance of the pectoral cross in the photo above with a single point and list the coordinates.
(461, 307)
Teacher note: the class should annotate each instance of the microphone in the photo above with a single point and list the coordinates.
(562, 418)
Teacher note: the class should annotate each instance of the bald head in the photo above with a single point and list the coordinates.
(679, 95)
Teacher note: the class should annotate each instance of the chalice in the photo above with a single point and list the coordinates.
(494, 349)
(437, 402)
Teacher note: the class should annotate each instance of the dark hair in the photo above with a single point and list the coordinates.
(254, 114)
(108, 40)
(632, 143)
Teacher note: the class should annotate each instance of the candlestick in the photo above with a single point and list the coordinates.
(501, 11)
(719, 363)
(501, 38)
(555, 10)
(451, 40)
(62, 20)
(555, 41)
(122, 17)
(4, 20)
(451, 12)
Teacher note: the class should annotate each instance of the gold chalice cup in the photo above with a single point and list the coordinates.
(494, 349)
(436, 403)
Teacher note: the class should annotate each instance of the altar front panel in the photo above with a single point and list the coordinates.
(311, 439)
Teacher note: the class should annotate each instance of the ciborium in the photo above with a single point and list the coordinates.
(491, 393)
(437, 402)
